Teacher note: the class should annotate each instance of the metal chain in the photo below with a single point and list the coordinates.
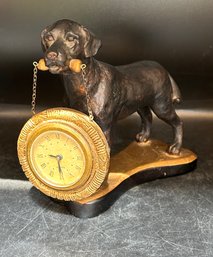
(83, 67)
(33, 103)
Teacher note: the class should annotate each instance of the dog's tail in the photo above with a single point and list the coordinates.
(176, 95)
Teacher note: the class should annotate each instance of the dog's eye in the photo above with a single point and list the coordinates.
(49, 37)
(70, 38)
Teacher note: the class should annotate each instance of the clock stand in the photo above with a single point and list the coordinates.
(136, 164)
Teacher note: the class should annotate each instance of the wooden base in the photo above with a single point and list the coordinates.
(136, 164)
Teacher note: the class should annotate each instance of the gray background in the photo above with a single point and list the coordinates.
(178, 34)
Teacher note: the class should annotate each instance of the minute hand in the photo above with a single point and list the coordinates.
(59, 169)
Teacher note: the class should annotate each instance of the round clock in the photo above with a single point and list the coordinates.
(64, 154)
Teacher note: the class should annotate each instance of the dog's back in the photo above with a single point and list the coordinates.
(148, 79)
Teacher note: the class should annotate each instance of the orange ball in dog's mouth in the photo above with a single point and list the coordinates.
(41, 65)
(74, 65)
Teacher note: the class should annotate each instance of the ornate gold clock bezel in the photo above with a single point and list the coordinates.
(73, 132)
(88, 135)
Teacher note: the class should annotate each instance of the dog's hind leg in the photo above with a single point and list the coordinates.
(167, 113)
(146, 122)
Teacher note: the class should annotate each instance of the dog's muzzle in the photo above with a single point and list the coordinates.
(56, 61)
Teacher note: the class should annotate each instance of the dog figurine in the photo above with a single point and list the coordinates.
(115, 92)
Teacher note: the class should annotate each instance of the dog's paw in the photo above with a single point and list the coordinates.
(142, 137)
(174, 149)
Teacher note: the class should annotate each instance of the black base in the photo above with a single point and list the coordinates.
(94, 208)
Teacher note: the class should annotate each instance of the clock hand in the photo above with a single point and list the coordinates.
(59, 158)
(54, 156)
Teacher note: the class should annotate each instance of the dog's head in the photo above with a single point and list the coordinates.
(66, 40)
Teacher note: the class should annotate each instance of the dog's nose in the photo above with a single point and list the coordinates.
(52, 55)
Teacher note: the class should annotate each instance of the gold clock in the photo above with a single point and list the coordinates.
(64, 154)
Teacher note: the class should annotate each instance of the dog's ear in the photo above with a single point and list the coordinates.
(91, 44)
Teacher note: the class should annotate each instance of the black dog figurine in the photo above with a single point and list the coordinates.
(115, 92)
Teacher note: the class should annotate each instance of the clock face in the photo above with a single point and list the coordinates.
(57, 158)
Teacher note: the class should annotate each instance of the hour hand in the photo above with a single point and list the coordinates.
(54, 156)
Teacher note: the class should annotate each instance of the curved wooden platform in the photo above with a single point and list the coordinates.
(136, 164)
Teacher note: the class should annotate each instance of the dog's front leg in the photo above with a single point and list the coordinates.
(106, 127)
(107, 134)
